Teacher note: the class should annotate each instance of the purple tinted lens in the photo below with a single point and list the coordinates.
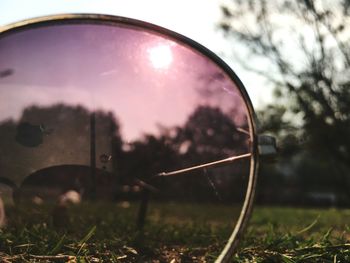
(114, 113)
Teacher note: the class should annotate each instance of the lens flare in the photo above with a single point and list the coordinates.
(160, 56)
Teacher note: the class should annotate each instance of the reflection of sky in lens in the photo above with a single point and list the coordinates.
(144, 79)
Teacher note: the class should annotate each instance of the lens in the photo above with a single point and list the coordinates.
(125, 129)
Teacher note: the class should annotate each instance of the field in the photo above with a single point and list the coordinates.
(274, 235)
(296, 235)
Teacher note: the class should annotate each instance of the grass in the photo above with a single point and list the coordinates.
(102, 234)
(296, 235)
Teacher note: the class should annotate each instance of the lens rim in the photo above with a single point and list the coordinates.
(60, 19)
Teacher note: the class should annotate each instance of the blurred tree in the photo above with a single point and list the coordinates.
(148, 157)
(207, 135)
(303, 49)
(210, 134)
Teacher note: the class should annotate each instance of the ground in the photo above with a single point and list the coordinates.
(275, 234)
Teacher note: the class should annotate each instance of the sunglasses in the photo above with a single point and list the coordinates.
(126, 126)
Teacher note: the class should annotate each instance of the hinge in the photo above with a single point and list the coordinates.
(267, 147)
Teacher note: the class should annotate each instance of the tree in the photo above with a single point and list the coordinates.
(209, 134)
(306, 51)
(65, 140)
(302, 48)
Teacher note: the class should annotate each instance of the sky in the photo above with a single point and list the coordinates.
(128, 72)
(196, 19)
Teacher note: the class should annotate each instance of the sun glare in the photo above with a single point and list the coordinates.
(160, 56)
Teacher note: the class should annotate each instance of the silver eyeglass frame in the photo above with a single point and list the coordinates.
(246, 210)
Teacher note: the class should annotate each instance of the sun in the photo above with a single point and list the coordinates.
(160, 56)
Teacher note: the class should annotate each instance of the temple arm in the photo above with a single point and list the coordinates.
(205, 165)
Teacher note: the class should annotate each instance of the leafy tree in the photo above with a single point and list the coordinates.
(302, 47)
(210, 134)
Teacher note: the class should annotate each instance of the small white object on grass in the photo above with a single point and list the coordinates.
(70, 197)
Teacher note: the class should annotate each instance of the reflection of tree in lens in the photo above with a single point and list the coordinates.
(29, 135)
(213, 134)
(68, 144)
(208, 135)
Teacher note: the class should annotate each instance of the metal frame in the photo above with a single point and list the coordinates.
(246, 210)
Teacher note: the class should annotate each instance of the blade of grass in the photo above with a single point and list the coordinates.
(309, 226)
(58, 246)
(86, 238)
(327, 234)
(286, 259)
